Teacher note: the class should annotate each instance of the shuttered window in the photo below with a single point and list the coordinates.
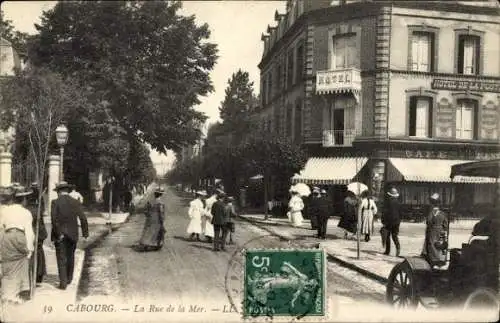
(345, 53)
(468, 54)
(420, 123)
(465, 119)
(421, 51)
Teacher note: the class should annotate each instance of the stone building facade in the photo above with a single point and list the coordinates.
(389, 94)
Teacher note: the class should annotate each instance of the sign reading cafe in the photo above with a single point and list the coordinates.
(465, 85)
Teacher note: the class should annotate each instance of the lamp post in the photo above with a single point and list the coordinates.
(62, 139)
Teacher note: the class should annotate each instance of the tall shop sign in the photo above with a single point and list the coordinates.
(466, 85)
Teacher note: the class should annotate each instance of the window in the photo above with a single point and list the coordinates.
(289, 73)
(420, 124)
(345, 53)
(465, 119)
(421, 51)
(300, 63)
(468, 54)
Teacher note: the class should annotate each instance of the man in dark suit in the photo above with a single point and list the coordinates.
(219, 221)
(64, 213)
(313, 210)
(324, 212)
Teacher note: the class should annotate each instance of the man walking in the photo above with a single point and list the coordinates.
(64, 213)
(324, 213)
(219, 221)
(391, 219)
(313, 209)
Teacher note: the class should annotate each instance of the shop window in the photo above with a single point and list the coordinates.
(299, 64)
(422, 48)
(289, 73)
(468, 54)
(345, 53)
(466, 119)
(420, 121)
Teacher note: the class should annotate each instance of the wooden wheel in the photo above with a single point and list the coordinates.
(401, 291)
(482, 298)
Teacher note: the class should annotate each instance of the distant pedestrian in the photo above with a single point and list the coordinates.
(219, 221)
(16, 245)
(295, 206)
(196, 212)
(367, 210)
(325, 210)
(32, 205)
(391, 219)
(64, 213)
(435, 245)
(153, 234)
(313, 207)
(76, 195)
(231, 209)
(348, 220)
(206, 221)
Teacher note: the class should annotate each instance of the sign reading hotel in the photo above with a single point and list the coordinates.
(465, 85)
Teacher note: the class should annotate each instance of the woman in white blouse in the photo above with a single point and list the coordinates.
(367, 210)
(295, 206)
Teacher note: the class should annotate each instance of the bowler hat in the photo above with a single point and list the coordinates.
(62, 186)
(393, 192)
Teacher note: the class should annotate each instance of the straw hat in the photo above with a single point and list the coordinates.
(323, 191)
(201, 193)
(435, 197)
(7, 191)
(316, 189)
(21, 191)
(63, 185)
(393, 192)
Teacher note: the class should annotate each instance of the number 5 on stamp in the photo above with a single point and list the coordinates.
(284, 283)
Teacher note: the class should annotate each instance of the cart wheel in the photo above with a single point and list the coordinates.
(401, 291)
(482, 298)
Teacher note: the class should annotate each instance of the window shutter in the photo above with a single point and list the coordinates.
(477, 55)
(413, 116)
(458, 123)
(460, 65)
(424, 45)
(421, 117)
(414, 52)
(469, 49)
(339, 52)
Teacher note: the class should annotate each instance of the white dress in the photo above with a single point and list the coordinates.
(206, 223)
(367, 209)
(296, 206)
(195, 212)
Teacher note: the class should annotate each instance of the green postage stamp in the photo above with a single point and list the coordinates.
(287, 283)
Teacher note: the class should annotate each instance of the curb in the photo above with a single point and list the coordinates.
(331, 257)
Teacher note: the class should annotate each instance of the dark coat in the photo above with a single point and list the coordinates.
(325, 207)
(392, 213)
(64, 212)
(435, 236)
(349, 219)
(314, 207)
(42, 230)
(220, 214)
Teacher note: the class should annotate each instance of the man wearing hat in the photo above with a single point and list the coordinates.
(219, 221)
(16, 244)
(436, 229)
(313, 207)
(391, 219)
(64, 213)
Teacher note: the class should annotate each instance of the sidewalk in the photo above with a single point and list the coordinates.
(47, 293)
(372, 262)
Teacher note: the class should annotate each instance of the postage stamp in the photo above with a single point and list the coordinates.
(287, 283)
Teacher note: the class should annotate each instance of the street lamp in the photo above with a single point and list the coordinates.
(62, 139)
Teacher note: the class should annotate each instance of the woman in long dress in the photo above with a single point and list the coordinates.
(348, 221)
(154, 230)
(32, 204)
(196, 212)
(435, 244)
(206, 220)
(16, 246)
(367, 210)
(295, 206)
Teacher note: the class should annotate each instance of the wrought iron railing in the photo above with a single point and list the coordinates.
(343, 138)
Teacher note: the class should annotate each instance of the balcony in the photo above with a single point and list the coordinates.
(339, 138)
(338, 81)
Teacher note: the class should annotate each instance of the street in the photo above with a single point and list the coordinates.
(190, 272)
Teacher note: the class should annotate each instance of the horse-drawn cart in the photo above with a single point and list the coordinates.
(470, 277)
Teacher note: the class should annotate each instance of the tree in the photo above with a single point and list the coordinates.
(16, 38)
(148, 63)
(238, 104)
(36, 101)
(272, 157)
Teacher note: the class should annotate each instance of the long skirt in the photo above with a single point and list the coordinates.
(297, 218)
(41, 268)
(348, 222)
(15, 265)
(153, 232)
(194, 225)
(207, 227)
(367, 223)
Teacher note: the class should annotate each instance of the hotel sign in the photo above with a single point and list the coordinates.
(466, 85)
(456, 154)
(335, 81)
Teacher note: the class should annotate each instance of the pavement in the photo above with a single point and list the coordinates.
(371, 262)
(47, 293)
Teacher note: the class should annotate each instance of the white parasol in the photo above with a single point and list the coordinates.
(357, 188)
(302, 189)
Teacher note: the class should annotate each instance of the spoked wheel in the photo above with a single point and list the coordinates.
(401, 291)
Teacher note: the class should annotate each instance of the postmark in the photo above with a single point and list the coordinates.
(284, 283)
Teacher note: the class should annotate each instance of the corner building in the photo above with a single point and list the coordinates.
(388, 94)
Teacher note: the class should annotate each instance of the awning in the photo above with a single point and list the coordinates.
(428, 170)
(484, 168)
(330, 170)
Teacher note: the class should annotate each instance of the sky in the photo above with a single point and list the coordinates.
(236, 27)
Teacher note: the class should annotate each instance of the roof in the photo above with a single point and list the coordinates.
(330, 170)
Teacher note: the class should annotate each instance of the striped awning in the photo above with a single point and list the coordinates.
(428, 170)
(330, 170)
